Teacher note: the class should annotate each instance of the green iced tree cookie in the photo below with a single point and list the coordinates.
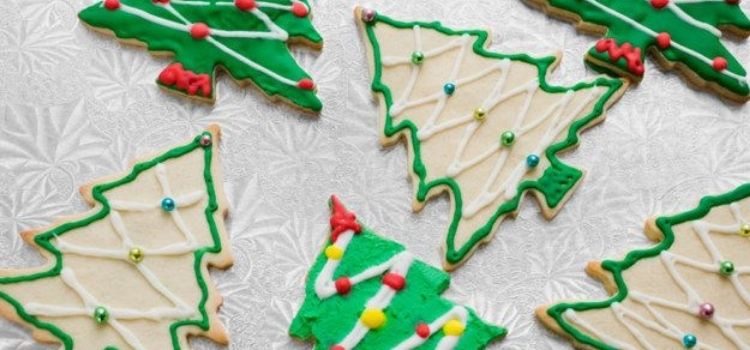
(246, 38)
(683, 34)
(366, 292)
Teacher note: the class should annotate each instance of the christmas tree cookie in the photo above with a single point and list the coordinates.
(690, 291)
(682, 34)
(131, 273)
(366, 292)
(484, 126)
(248, 39)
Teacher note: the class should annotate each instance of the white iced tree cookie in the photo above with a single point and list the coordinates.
(132, 272)
(484, 126)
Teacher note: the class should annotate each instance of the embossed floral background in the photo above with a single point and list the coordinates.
(75, 105)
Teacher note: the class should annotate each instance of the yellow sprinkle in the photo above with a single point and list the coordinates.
(373, 318)
(334, 253)
(745, 230)
(454, 328)
(479, 114)
(136, 255)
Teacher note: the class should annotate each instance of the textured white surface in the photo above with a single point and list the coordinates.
(75, 105)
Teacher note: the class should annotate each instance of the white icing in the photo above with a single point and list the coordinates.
(179, 311)
(399, 264)
(275, 31)
(662, 325)
(496, 97)
(674, 44)
(688, 19)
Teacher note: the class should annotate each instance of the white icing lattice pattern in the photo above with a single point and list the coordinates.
(179, 310)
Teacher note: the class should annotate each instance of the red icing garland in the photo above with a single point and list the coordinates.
(631, 54)
(176, 76)
(342, 220)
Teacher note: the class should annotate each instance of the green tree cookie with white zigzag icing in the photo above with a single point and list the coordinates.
(365, 292)
(132, 272)
(690, 291)
(682, 34)
(484, 126)
(248, 39)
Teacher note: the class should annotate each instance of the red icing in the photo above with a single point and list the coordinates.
(664, 40)
(306, 84)
(299, 9)
(245, 5)
(394, 280)
(343, 285)
(199, 31)
(720, 63)
(630, 53)
(337, 347)
(112, 4)
(659, 3)
(423, 330)
(176, 76)
(342, 220)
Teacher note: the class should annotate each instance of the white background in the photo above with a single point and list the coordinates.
(75, 106)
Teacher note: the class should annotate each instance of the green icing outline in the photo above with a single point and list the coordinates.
(617, 267)
(558, 172)
(695, 38)
(43, 241)
(307, 327)
(192, 53)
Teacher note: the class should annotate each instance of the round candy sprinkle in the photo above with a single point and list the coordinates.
(532, 160)
(664, 40)
(199, 31)
(205, 139)
(745, 230)
(689, 340)
(334, 253)
(659, 3)
(306, 84)
(454, 328)
(112, 4)
(245, 5)
(706, 310)
(343, 285)
(136, 255)
(449, 88)
(373, 318)
(720, 64)
(299, 9)
(507, 138)
(726, 268)
(394, 280)
(417, 57)
(101, 315)
(368, 15)
(479, 114)
(168, 204)
(338, 347)
(423, 330)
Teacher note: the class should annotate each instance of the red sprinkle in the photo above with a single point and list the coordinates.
(394, 280)
(720, 64)
(299, 9)
(423, 330)
(162, 1)
(659, 3)
(306, 84)
(343, 285)
(245, 5)
(112, 4)
(337, 347)
(664, 40)
(199, 31)
(732, 2)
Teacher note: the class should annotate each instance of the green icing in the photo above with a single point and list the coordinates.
(43, 240)
(557, 180)
(717, 14)
(202, 57)
(328, 321)
(617, 268)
